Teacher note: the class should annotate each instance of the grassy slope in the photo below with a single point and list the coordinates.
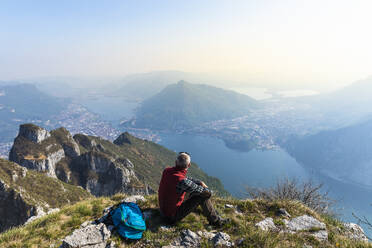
(37, 187)
(49, 230)
(150, 159)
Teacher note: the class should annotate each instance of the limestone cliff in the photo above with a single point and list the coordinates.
(25, 193)
(35, 148)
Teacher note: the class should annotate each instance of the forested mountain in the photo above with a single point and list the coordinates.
(184, 105)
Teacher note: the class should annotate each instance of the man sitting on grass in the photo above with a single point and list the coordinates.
(172, 190)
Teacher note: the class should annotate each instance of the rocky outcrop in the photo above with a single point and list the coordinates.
(58, 154)
(355, 232)
(90, 236)
(107, 176)
(26, 195)
(12, 206)
(304, 223)
(69, 145)
(33, 133)
(35, 148)
(267, 225)
(189, 238)
(221, 239)
(43, 163)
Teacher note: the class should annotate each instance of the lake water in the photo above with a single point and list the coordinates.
(237, 170)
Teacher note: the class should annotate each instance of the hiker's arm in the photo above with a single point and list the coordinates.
(199, 182)
(189, 186)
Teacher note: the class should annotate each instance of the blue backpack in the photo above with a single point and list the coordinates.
(128, 220)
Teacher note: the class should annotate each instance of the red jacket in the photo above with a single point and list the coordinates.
(169, 199)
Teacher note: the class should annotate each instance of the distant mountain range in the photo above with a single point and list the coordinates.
(25, 103)
(344, 153)
(343, 107)
(144, 85)
(184, 105)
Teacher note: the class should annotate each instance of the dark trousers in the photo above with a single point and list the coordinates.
(191, 204)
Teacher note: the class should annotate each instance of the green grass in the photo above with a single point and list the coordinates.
(50, 229)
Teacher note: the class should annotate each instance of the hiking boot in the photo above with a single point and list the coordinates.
(221, 222)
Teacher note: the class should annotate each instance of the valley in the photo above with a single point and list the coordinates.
(267, 137)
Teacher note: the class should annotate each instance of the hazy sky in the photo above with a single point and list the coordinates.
(308, 44)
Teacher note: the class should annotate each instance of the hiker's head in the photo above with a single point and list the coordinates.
(183, 160)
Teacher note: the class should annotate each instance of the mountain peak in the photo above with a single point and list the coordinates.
(124, 138)
(33, 133)
(184, 105)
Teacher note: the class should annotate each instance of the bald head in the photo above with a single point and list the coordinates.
(183, 160)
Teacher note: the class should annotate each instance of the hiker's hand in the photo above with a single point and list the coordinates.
(203, 184)
(206, 193)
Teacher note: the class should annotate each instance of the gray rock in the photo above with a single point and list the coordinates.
(229, 206)
(355, 232)
(187, 239)
(207, 235)
(47, 164)
(307, 246)
(321, 235)
(111, 176)
(33, 133)
(304, 223)
(267, 225)
(165, 228)
(14, 176)
(14, 207)
(39, 212)
(71, 149)
(134, 198)
(24, 172)
(221, 239)
(91, 236)
(128, 163)
(87, 223)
